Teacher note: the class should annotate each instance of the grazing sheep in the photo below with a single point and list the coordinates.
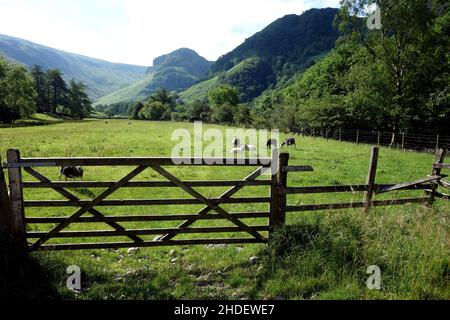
(250, 147)
(244, 148)
(238, 150)
(289, 142)
(272, 143)
(236, 142)
(71, 172)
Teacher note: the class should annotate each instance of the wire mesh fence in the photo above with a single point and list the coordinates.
(404, 141)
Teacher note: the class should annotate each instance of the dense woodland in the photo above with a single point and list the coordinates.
(23, 93)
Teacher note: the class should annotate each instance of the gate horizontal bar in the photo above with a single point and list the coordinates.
(15, 165)
(354, 205)
(144, 184)
(165, 243)
(143, 232)
(180, 217)
(351, 188)
(325, 189)
(142, 161)
(298, 169)
(120, 203)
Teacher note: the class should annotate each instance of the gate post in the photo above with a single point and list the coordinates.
(440, 156)
(4, 207)
(282, 184)
(371, 178)
(17, 215)
(274, 166)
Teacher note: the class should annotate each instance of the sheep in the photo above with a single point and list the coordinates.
(272, 143)
(289, 142)
(244, 148)
(250, 147)
(71, 172)
(237, 150)
(236, 142)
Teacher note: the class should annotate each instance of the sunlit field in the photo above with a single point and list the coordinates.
(321, 255)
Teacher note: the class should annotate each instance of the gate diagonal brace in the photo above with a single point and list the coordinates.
(94, 212)
(206, 210)
(88, 207)
(211, 204)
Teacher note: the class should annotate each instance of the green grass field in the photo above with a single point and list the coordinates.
(322, 255)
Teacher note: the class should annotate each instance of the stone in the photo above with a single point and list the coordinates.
(132, 250)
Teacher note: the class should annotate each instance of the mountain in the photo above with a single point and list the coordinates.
(174, 71)
(287, 46)
(100, 76)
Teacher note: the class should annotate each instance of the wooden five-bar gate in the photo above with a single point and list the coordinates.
(13, 205)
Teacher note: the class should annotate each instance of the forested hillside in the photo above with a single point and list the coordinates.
(273, 55)
(395, 79)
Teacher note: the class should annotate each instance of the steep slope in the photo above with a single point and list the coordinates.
(175, 71)
(273, 55)
(100, 76)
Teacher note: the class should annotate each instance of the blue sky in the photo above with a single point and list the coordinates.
(137, 31)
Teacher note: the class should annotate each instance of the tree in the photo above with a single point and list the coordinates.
(155, 111)
(243, 115)
(224, 100)
(164, 97)
(78, 103)
(17, 94)
(413, 54)
(136, 110)
(40, 85)
(56, 90)
(222, 95)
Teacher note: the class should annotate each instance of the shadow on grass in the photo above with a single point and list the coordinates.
(22, 277)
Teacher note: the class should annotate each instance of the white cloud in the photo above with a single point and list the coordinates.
(137, 31)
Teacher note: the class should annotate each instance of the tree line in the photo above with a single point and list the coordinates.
(221, 106)
(23, 93)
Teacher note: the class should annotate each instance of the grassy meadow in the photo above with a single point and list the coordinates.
(321, 255)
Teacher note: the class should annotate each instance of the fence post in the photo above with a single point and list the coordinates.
(403, 142)
(379, 138)
(4, 207)
(274, 166)
(282, 184)
(440, 156)
(357, 137)
(340, 135)
(17, 217)
(437, 142)
(371, 178)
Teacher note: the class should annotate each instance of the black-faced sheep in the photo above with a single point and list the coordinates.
(71, 172)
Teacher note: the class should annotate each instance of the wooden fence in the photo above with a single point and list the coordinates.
(14, 221)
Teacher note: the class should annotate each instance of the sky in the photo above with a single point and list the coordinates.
(137, 31)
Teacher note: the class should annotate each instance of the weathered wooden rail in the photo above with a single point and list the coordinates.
(428, 184)
(14, 222)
